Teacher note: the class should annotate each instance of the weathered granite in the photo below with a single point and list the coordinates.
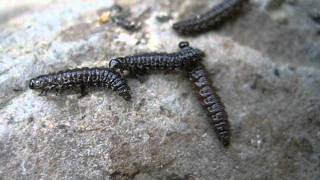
(265, 66)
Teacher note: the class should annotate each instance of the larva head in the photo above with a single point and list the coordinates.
(184, 44)
(37, 83)
(115, 64)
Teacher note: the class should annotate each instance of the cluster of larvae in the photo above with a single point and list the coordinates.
(187, 60)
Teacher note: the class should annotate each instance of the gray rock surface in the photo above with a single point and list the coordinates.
(265, 66)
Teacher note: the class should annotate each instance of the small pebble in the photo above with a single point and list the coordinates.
(276, 72)
(163, 17)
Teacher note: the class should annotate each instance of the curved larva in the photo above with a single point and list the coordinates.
(210, 101)
(210, 19)
(82, 78)
(159, 61)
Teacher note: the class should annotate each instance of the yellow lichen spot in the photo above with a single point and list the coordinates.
(105, 17)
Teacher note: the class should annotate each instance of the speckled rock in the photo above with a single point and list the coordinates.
(266, 71)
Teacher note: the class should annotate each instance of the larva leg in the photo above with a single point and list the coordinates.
(58, 91)
(140, 75)
(43, 92)
(83, 91)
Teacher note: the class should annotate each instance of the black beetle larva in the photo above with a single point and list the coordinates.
(159, 61)
(210, 19)
(82, 78)
(210, 101)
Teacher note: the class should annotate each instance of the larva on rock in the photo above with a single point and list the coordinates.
(81, 78)
(210, 19)
(159, 61)
(210, 101)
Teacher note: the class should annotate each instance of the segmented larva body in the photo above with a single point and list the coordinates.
(210, 101)
(159, 61)
(215, 16)
(82, 78)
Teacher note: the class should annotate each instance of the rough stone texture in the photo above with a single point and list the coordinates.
(265, 66)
